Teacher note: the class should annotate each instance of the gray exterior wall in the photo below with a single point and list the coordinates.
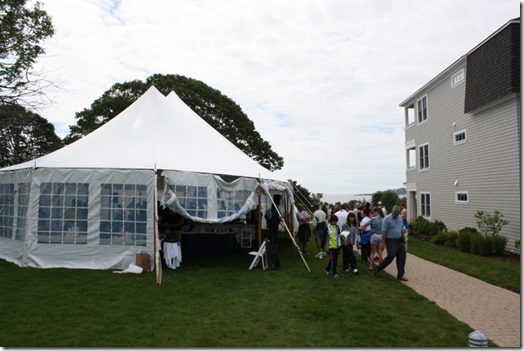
(487, 166)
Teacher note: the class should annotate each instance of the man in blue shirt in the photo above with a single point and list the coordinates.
(393, 237)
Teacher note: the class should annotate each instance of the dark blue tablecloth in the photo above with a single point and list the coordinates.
(208, 243)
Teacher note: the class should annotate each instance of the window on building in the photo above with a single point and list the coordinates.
(7, 210)
(423, 152)
(457, 78)
(461, 197)
(425, 204)
(123, 214)
(192, 198)
(422, 109)
(21, 209)
(411, 158)
(460, 137)
(230, 202)
(410, 116)
(62, 213)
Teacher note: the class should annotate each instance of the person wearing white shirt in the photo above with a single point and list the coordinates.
(320, 231)
(384, 210)
(365, 236)
(342, 215)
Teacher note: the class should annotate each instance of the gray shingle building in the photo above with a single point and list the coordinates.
(463, 137)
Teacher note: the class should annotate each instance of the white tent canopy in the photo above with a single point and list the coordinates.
(155, 131)
(90, 204)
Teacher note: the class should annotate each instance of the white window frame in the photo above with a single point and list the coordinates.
(457, 193)
(411, 145)
(455, 142)
(461, 74)
(425, 97)
(407, 115)
(421, 165)
(422, 204)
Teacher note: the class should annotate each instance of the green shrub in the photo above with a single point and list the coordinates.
(464, 240)
(420, 228)
(499, 244)
(475, 243)
(486, 245)
(424, 229)
(468, 230)
(439, 227)
(517, 244)
(439, 238)
(451, 240)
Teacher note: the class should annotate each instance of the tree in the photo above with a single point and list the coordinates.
(389, 198)
(22, 30)
(216, 109)
(24, 135)
(490, 224)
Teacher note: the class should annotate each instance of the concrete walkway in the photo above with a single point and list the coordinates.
(485, 307)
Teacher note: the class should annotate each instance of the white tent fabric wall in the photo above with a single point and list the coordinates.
(90, 204)
(96, 219)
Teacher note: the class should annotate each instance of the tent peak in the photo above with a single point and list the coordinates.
(153, 90)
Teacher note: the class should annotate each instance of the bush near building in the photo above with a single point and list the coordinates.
(467, 239)
(424, 229)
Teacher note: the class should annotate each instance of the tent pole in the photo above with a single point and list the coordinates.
(158, 266)
(259, 219)
(282, 220)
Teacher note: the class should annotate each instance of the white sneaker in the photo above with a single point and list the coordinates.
(355, 271)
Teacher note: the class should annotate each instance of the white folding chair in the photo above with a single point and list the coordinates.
(259, 255)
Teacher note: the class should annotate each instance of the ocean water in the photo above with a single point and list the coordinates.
(332, 198)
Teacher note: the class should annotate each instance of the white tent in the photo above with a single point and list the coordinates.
(91, 203)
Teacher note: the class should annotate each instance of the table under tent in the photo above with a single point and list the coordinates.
(92, 204)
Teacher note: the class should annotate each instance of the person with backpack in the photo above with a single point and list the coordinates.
(365, 236)
(304, 230)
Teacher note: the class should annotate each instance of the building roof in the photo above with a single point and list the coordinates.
(453, 66)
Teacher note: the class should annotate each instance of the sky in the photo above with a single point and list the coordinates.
(320, 79)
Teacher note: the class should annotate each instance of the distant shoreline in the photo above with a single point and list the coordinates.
(332, 198)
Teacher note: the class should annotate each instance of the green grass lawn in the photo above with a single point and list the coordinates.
(214, 301)
(496, 272)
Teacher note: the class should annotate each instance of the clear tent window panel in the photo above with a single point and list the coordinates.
(192, 198)
(230, 202)
(22, 206)
(123, 214)
(63, 213)
(7, 210)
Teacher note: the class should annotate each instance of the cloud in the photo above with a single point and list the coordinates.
(321, 80)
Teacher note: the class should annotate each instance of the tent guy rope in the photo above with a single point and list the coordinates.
(286, 227)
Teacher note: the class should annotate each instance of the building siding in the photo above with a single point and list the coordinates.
(487, 166)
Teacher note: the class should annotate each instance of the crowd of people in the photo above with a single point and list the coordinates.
(369, 228)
